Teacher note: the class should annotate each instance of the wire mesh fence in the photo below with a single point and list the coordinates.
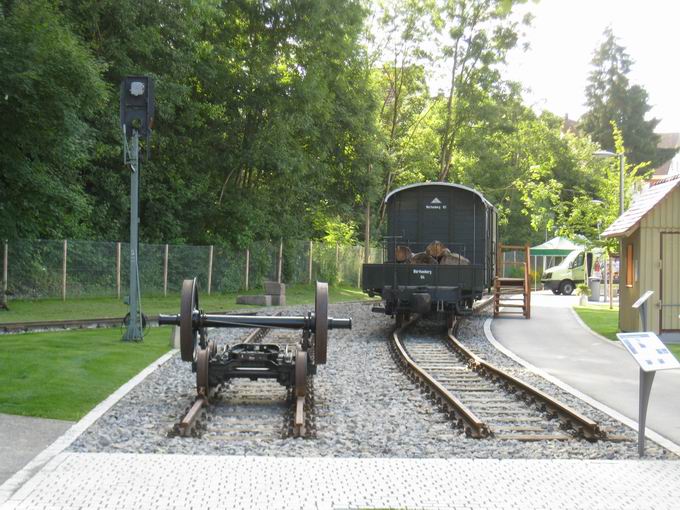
(72, 269)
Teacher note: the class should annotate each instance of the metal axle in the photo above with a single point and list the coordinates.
(203, 320)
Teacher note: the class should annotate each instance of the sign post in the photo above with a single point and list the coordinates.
(652, 355)
(136, 119)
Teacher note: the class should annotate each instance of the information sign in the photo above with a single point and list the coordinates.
(649, 351)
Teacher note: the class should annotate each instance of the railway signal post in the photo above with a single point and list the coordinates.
(136, 118)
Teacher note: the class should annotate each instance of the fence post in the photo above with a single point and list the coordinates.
(337, 262)
(118, 269)
(63, 272)
(362, 255)
(247, 266)
(5, 265)
(165, 270)
(278, 269)
(311, 251)
(210, 264)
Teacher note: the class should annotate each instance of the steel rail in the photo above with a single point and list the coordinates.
(586, 427)
(473, 426)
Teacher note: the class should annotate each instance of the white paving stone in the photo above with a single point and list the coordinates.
(110, 480)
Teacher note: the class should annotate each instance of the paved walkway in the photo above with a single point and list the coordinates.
(123, 481)
(23, 438)
(556, 342)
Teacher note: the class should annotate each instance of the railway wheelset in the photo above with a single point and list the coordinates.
(289, 365)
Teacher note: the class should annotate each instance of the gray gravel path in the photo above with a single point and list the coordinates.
(364, 407)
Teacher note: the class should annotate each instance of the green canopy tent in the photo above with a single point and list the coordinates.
(555, 247)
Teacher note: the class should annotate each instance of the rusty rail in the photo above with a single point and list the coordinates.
(464, 417)
(189, 421)
(584, 426)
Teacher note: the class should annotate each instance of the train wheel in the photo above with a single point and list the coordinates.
(187, 333)
(321, 323)
(202, 369)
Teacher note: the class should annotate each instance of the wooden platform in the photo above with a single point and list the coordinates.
(512, 294)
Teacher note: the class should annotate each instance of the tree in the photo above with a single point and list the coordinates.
(474, 37)
(590, 211)
(50, 89)
(611, 97)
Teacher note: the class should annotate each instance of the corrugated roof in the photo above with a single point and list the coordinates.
(645, 202)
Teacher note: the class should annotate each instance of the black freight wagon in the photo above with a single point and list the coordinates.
(459, 217)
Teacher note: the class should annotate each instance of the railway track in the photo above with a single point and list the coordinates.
(482, 399)
(242, 409)
(102, 322)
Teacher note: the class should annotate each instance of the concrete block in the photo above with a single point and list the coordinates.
(254, 300)
(278, 300)
(275, 288)
(174, 337)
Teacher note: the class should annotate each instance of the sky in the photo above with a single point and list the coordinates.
(564, 35)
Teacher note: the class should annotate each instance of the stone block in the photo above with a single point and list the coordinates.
(174, 337)
(275, 288)
(258, 300)
(278, 300)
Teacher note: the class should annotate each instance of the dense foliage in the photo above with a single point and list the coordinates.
(611, 97)
(277, 119)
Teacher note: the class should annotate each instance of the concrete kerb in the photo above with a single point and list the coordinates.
(32, 472)
(578, 319)
(654, 436)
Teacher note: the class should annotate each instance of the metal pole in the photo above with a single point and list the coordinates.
(247, 266)
(646, 380)
(210, 266)
(63, 272)
(311, 252)
(280, 265)
(134, 330)
(622, 159)
(118, 270)
(165, 270)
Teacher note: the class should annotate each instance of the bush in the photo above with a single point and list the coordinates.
(582, 289)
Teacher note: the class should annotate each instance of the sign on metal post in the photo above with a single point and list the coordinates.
(136, 120)
(652, 355)
(641, 306)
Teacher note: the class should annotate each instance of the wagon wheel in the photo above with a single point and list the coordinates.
(301, 373)
(187, 334)
(321, 323)
(202, 368)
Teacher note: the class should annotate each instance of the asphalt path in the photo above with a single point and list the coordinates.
(23, 438)
(555, 341)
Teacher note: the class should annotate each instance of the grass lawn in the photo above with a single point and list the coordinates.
(606, 322)
(65, 374)
(95, 308)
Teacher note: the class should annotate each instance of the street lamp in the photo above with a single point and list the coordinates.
(622, 160)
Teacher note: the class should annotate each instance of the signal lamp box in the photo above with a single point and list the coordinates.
(137, 105)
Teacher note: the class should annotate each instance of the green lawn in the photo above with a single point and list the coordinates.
(606, 322)
(63, 375)
(91, 308)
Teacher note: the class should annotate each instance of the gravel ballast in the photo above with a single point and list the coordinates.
(364, 406)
